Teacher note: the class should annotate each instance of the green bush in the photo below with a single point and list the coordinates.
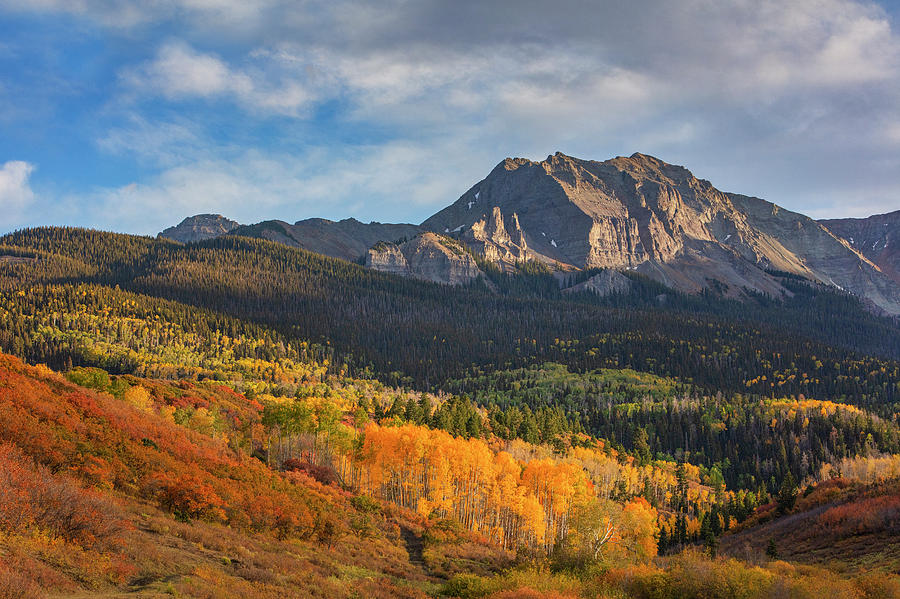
(365, 504)
(92, 378)
(466, 586)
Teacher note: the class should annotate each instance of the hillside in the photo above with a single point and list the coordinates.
(121, 466)
(144, 488)
(401, 328)
(231, 439)
(848, 521)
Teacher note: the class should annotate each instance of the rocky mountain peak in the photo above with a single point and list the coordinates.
(200, 227)
(640, 212)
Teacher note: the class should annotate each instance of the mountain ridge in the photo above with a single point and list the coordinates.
(626, 213)
(877, 237)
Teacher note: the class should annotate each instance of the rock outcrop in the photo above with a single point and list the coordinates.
(200, 227)
(388, 257)
(428, 256)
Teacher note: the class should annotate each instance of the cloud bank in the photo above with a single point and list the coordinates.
(390, 110)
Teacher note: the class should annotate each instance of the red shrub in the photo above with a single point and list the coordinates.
(527, 593)
(280, 513)
(322, 474)
(186, 496)
(32, 497)
(14, 585)
(108, 442)
(866, 515)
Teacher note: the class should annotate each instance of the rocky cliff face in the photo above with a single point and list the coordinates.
(200, 227)
(821, 255)
(644, 214)
(348, 239)
(428, 256)
(615, 214)
(877, 238)
(388, 257)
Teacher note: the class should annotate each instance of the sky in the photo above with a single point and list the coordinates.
(130, 116)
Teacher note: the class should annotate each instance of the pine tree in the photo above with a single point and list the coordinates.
(641, 445)
(787, 494)
(663, 542)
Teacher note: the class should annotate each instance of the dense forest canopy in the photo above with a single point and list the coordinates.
(818, 343)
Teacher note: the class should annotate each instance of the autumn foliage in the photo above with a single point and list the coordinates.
(872, 514)
(33, 498)
(111, 443)
(520, 504)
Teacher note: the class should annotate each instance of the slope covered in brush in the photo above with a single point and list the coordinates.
(95, 480)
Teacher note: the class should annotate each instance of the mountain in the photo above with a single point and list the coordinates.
(640, 213)
(628, 213)
(877, 238)
(348, 239)
(200, 227)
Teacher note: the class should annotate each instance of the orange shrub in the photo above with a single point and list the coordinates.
(186, 496)
(31, 497)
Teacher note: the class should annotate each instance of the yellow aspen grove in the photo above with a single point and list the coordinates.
(510, 503)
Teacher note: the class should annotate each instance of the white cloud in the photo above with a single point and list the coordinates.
(16, 195)
(389, 182)
(158, 143)
(179, 72)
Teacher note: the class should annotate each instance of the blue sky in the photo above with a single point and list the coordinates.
(132, 116)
